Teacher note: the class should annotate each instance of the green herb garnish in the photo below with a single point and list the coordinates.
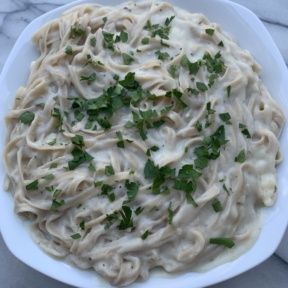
(146, 234)
(162, 55)
(126, 221)
(216, 204)
(27, 117)
(109, 171)
(68, 50)
(209, 31)
(225, 117)
(145, 41)
(32, 186)
(132, 189)
(127, 59)
(244, 130)
(241, 157)
(90, 78)
(227, 242)
(76, 236)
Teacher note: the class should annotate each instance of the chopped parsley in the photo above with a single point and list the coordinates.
(27, 117)
(221, 44)
(79, 157)
(198, 126)
(76, 236)
(90, 78)
(123, 37)
(127, 59)
(145, 41)
(186, 181)
(172, 70)
(209, 31)
(193, 67)
(82, 225)
(244, 130)
(93, 41)
(217, 206)
(227, 242)
(154, 148)
(146, 234)
(109, 171)
(78, 140)
(132, 189)
(225, 117)
(170, 214)
(162, 55)
(126, 221)
(77, 30)
(120, 142)
(57, 204)
(91, 167)
(68, 50)
(159, 30)
(139, 210)
(158, 175)
(202, 87)
(228, 89)
(107, 190)
(32, 186)
(241, 157)
(210, 148)
(108, 40)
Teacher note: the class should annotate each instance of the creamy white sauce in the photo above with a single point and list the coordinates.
(122, 256)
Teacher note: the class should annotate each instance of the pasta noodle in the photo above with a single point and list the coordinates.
(144, 138)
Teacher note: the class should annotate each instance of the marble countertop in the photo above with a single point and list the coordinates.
(14, 16)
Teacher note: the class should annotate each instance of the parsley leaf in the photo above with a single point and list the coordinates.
(228, 88)
(93, 41)
(57, 204)
(79, 157)
(108, 40)
(150, 170)
(225, 117)
(162, 55)
(240, 157)
(202, 87)
(109, 171)
(32, 186)
(78, 140)
(90, 78)
(68, 50)
(145, 41)
(170, 214)
(129, 81)
(76, 236)
(107, 191)
(227, 242)
(132, 189)
(120, 142)
(127, 59)
(209, 31)
(145, 234)
(77, 30)
(27, 117)
(244, 130)
(82, 225)
(154, 148)
(216, 204)
(126, 221)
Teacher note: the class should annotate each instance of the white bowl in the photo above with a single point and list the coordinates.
(251, 34)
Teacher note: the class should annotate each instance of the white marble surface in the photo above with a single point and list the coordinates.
(14, 16)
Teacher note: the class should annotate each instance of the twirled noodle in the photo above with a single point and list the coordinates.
(202, 129)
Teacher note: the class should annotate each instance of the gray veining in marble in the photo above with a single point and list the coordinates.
(14, 17)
